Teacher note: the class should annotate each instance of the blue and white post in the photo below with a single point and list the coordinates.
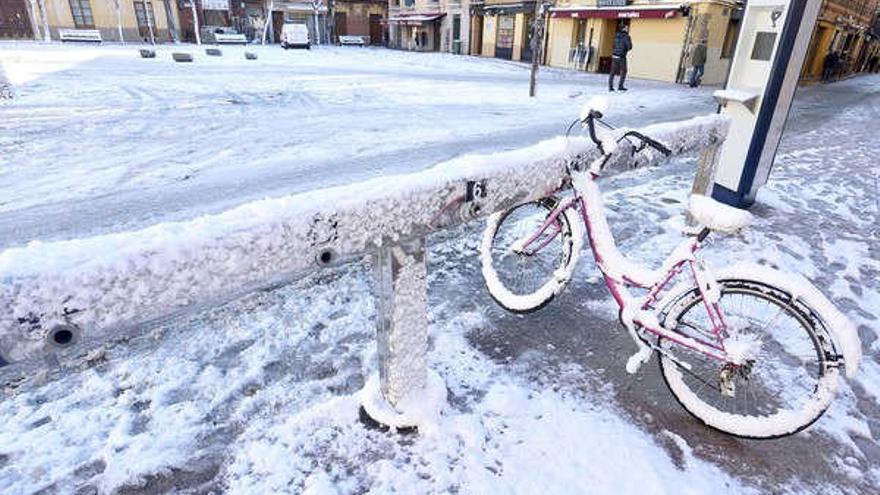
(772, 46)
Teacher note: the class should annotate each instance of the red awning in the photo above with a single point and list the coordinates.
(415, 19)
(630, 12)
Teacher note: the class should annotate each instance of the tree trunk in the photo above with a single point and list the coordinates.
(537, 46)
(35, 19)
(317, 28)
(119, 20)
(148, 13)
(270, 5)
(196, 22)
(47, 35)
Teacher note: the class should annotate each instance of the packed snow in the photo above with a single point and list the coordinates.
(100, 140)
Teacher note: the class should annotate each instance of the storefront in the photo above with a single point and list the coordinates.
(416, 32)
(581, 37)
(506, 30)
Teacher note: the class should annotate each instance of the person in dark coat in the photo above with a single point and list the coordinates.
(698, 62)
(622, 45)
(829, 66)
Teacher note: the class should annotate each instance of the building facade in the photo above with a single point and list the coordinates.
(364, 18)
(504, 29)
(250, 18)
(429, 25)
(664, 33)
(117, 20)
(848, 28)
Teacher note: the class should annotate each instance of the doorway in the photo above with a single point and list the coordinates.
(376, 32)
(15, 23)
(527, 37)
(504, 37)
(340, 22)
(477, 35)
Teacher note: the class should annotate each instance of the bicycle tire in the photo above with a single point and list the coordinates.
(784, 422)
(571, 241)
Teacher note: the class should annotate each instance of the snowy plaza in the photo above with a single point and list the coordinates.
(260, 394)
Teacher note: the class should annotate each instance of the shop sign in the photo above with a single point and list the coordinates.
(215, 4)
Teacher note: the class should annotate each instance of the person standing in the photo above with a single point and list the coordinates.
(829, 66)
(622, 45)
(698, 64)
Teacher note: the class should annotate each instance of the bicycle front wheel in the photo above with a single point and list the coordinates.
(525, 280)
(782, 375)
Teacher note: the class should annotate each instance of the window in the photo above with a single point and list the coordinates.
(145, 18)
(82, 14)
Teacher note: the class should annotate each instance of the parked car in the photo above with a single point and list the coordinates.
(295, 36)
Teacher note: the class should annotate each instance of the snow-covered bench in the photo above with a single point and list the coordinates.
(230, 39)
(87, 35)
(354, 40)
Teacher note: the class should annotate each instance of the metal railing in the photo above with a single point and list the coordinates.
(83, 290)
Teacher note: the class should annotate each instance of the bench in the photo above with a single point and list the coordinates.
(230, 39)
(250, 55)
(145, 53)
(213, 52)
(87, 35)
(354, 40)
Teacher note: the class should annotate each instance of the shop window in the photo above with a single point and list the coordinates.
(82, 14)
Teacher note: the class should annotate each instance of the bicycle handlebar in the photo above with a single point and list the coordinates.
(596, 116)
(650, 142)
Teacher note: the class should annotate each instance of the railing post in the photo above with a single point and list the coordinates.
(401, 319)
(705, 176)
(403, 390)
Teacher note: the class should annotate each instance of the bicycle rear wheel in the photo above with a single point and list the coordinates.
(785, 372)
(525, 282)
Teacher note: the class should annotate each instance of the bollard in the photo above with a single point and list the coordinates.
(146, 53)
(182, 57)
(213, 52)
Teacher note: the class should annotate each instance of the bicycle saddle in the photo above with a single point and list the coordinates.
(718, 216)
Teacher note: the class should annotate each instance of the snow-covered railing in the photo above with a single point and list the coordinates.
(56, 293)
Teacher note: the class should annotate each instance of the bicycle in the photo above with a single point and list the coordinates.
(747, 350)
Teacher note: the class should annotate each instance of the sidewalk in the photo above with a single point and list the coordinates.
(260, 396)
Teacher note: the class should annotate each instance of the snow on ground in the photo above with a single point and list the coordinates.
(101, 140)
(259, 396)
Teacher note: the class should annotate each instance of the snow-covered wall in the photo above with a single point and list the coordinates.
(109, 282)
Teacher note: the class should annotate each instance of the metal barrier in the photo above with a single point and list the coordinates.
(57, 296)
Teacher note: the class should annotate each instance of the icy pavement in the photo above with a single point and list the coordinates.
(101, 140)
(259, 396)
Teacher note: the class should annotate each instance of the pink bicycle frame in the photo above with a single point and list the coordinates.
(595, 222)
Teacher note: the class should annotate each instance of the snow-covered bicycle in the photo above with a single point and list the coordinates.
(747, 350)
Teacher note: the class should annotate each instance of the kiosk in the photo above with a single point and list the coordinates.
(773, 42)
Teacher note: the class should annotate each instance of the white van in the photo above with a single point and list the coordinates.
(295, 36)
